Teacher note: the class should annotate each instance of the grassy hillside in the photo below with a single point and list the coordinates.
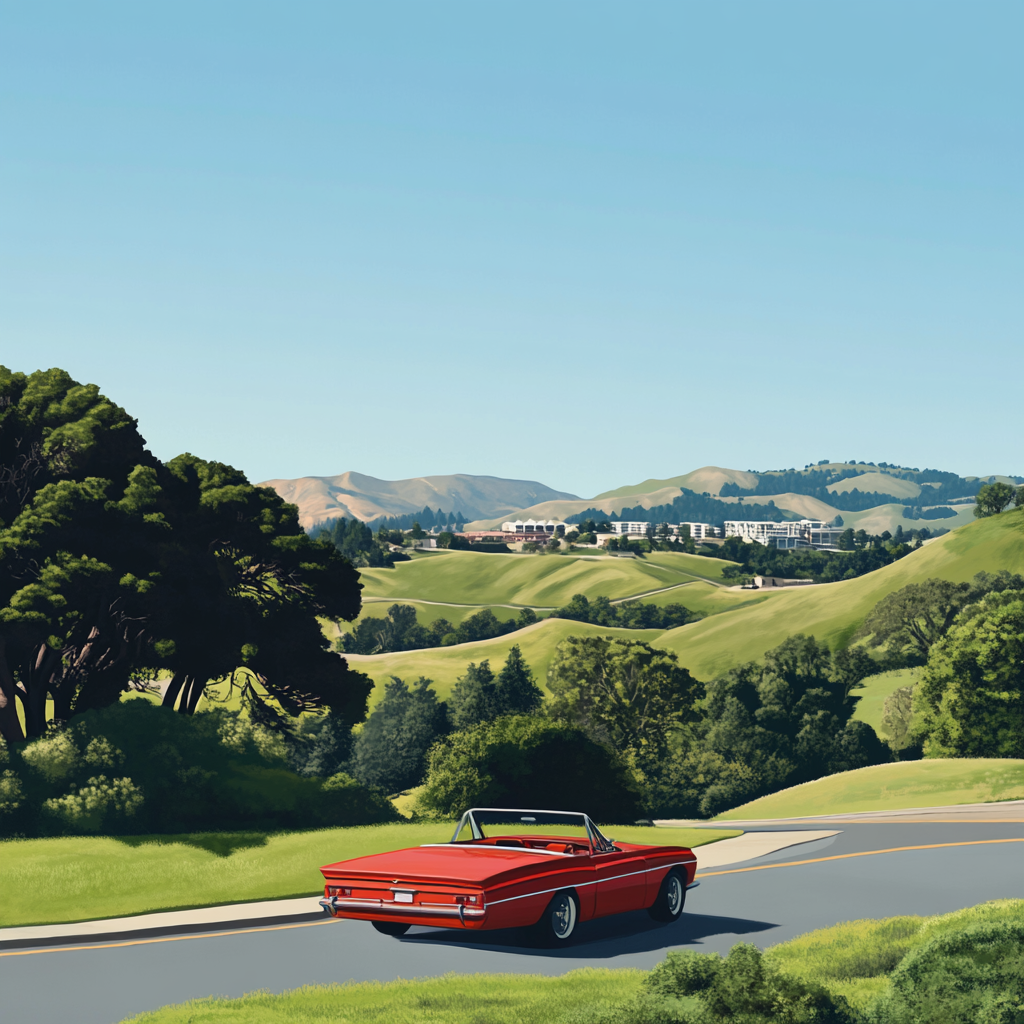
(707, 478)
(445, 664)
(834, 611)
(883, 483)
(893, 786)
(538, 581)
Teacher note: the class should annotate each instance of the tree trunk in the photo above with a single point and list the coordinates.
(173, 689)
(10, 724)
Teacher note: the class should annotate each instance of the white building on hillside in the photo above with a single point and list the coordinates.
(633, 529)
(550, 526)
(803, 533)
(698, 531)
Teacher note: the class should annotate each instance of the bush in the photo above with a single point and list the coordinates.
(524, 761)
(136, 768)
(698, 988)
(975, 976)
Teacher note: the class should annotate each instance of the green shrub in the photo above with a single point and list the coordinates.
(743, 987)
(974, 976)
(524, 761)
(136, 768)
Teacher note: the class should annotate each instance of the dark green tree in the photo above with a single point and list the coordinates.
(621, 692)
(474, 697)
(528, 761)
(972, 691)
(516, 693)
(992, 499)
(390, 750)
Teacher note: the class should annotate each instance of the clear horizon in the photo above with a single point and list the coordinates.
(586, 245)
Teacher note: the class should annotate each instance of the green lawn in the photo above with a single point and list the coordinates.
(445, 664)
(49, 881)
(852, 959)
(871, 705)
(451, 999)
(929, 783)
(537, 581)
(833, 611)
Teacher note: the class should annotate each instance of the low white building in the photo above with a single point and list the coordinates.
(802, 533)
(633, 529)
(698, 531)
(549, 526)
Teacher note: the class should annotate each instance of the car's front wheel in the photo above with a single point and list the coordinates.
(390, 927)
(558, 922)
(671, 897)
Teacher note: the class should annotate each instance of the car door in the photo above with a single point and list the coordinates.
(621, 882)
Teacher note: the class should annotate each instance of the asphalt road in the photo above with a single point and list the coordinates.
(787, 893)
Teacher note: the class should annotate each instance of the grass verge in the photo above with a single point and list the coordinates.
(452, 998)
(53, 881)
(852, 959)
(890, 787)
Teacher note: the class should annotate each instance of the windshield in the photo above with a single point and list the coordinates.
(488, 822)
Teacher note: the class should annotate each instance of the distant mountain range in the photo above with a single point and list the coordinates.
(356, 496)
(865, 495)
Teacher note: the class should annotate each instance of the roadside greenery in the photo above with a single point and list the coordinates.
(134, 768)
(961, 968)
(82, 878)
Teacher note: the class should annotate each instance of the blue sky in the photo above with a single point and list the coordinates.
(586, 243)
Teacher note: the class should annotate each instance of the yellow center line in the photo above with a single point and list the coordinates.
(845, 856)
(167, 938)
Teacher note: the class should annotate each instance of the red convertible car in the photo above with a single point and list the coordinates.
(547, 870)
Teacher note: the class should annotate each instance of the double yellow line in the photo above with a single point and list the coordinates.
(316, 924)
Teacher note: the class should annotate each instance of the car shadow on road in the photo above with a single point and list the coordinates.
(604, 938)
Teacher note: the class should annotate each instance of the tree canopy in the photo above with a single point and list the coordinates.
(115, 567)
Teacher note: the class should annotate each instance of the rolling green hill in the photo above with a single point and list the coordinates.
(834, 611)
(707, 478)
(537, 581)
(445, 664)
(871, 705)
(885, 787)
(882, 483)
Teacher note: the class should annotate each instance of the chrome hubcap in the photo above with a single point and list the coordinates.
(675, 895)
(563, 917)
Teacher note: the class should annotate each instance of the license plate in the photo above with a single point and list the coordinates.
(403, 897)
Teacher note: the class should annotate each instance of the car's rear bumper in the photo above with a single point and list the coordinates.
(433, 915)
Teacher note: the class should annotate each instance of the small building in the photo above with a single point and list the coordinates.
(778, 581)
(539, 531)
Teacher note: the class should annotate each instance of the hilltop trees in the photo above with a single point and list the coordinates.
(993, 498)
(114, 567)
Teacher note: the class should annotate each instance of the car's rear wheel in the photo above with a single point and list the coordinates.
(390, 927)
(557, 924)
(671, 897)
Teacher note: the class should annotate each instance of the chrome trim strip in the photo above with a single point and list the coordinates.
(580, 885)
(427, 910)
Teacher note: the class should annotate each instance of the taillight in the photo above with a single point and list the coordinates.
(338, 890)
(467, 899)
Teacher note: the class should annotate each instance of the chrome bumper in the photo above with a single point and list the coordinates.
(461, 911)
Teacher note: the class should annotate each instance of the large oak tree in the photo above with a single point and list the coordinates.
(115, 567)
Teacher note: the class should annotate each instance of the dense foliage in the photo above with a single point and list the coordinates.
(859, 554)
(479, 696)
(356, 541)
(400, 631)
(971, 696)
(115, 567)
(625, 614)
(390, 749)
(135, 768)
(529, 761)
(687, 507)
(764, 727)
